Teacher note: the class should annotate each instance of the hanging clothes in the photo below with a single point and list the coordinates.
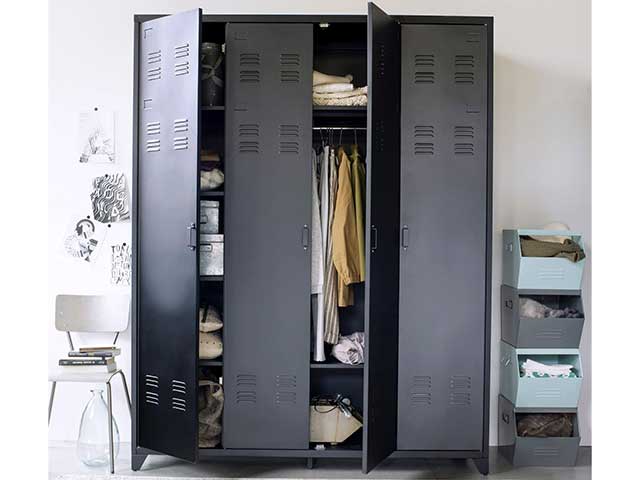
(358, 184)
(331, 321)
(317, 265)
(344, 234)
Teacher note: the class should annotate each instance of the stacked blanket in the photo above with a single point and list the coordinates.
(337, 91)
(531, 368)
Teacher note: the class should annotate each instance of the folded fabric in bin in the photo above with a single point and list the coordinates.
(544, 425)
(536, 248)
(531, 308)
(531, 368)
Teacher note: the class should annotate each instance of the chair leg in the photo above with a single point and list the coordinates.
(111, 447)
(126, 390)
(51, 395)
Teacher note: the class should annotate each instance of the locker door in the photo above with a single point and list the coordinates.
(267, 239)
(166, 206)
(444, 229)
(382, 219)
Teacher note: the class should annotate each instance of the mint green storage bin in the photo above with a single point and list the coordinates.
(539, 273)
(526, 392)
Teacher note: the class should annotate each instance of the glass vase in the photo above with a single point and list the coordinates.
(93, 437)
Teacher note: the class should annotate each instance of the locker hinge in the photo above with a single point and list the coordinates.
(374, 238)
(305, 237)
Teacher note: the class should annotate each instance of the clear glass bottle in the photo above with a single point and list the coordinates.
(93, 437)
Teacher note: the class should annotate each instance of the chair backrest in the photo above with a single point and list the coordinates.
(92, 313)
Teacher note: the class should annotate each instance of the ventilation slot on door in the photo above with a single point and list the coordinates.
(463, 132)
(289, 144)
(420, 393)
(465, 61)
(425, 60)
(178, 394)
(459, 390)
(154, 57)
(181, 51)
(286, 389)
(181, 68)
(180, 125)
(248, 130)
(154, 73)
(424, 131)
(425, 77)
(463, 149)
(288, 70)
(250, 60)
(151, 383)
(153, 128)
(464, 78)
(423, 148)
(180, 143)
(473, 37)
(153, 145)
(246, 389)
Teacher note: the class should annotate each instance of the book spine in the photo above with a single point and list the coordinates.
(91, 354)
(82, 361)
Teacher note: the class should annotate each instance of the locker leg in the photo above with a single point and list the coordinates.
(310, 462)
(482, 464)
(137, 461)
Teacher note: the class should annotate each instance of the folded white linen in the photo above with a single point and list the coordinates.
(353, 93)
(320, 78)
(359, 100)
(333, 87)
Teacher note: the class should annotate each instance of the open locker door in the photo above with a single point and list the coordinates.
(166, 216)
(383, 241)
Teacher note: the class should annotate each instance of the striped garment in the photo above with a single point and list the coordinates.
(331, 321)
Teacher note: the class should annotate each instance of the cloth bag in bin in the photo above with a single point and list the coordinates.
(210, 403)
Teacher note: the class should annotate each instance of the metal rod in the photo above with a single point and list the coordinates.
(51, 395)
(110, 409)
(339, 128)
(116, 339)
(70, 341)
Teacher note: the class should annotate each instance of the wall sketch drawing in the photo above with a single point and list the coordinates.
(83, 238)
(110, 198)
(121, 264)
(96, 137)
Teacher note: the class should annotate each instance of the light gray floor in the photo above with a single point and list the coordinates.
(64, 465)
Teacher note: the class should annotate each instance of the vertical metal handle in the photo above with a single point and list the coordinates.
(191, 230)
(506, 418)
(508, 304)
(374, 238)
(305, 237)
(405, 237)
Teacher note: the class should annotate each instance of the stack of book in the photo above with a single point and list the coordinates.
(91, 359)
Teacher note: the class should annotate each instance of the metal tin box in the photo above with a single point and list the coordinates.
(211, 254)
(209, 216)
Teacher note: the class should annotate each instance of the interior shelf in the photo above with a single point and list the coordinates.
(344, 111)
(211, 278)
(216, 362)
(339, 451)
(333, 364)
(217, 108)
(212, 194)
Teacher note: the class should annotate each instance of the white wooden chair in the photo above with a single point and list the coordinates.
(91, 314)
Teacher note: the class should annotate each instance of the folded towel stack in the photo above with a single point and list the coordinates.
(337, 91)
(531, 368)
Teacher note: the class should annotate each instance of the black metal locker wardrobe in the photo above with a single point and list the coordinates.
(265, 130)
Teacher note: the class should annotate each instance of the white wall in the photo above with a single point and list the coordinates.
(542, 156)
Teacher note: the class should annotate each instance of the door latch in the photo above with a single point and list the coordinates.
(405, 237)
(191, 236)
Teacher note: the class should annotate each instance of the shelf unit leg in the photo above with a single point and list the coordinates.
(482, 464)
(310, 462)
